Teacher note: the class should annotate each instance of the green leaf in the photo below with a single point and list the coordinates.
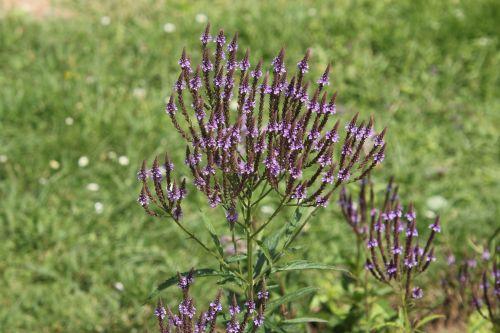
(290, 297)
(265, 251)
(304, 320)
(204, 272)
(428, 319)
(213, 234)
(236, 258)
(304, 264)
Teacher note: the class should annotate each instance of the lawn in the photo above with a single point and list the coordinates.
(82, 92)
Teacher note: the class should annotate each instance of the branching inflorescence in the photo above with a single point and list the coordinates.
(185, 321)
(486, 289)
(393, 251)
(246, 129)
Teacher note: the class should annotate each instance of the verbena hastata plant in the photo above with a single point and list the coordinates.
(251, 135)
(394, 255)
(485, 289)
(186, 320)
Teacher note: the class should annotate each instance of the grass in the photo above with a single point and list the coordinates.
(427, 70)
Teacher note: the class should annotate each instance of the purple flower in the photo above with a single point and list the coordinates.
(206, 65)
(278, 65)
(263, 294)
(170, 109)
(397, 249)
(391, 269)
(369, 265)
(256, 74)
(195, 83)
(412, 232)
(324, 80)
(244, 64)
(372, 243)
(435, 227)
(328, 177)
(205, 38)
(450, 259)
(300, 192)
(379, 157)
(343, 174)
(321, 201)
(142, 175)
(232, 327)
(411, 215)
(417, 293)
(486, 255)
(259, 320)
(303, 66)
(187, 308)
(221, 39)
(156, 174)
(250, 306)
(160, 312)
(234, 310)
(232, 215)
(185, 281)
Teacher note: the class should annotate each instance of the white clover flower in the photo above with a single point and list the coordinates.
(54, 164)
(169, 27)
(123, 160)
(83, 161)
(3, 158)
(99, 207)
(119, 286)
(93, 187)
(69, 121)
(105, 20)
(201, 18)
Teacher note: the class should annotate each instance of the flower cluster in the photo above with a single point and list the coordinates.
(186, 321)
(169, 193)
(246, 128)
(393, 252)
(486, 291)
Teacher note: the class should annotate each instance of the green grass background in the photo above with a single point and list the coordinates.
(429, 70)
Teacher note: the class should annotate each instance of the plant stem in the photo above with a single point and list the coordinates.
(248, 230)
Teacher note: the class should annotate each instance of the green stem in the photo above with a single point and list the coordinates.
(406, 317)
(269, 219)
(248, 230)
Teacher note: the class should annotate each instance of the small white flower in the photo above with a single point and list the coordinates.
(201, 18)
(105, 20)
(99, 207)
(267, 209)
(42, 181)
(93, 187)
(69, 121)
(83, 161)
(119, 286)
(123, 160)
(3, 158)
(139, 93)
(112, 155)
(54, 164)
(169, 27)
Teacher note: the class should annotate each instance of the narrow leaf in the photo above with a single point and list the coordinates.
(304, 264)
(290, 297)
(213, 234)
(428, 319)
(304, 320)
(204, 272)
